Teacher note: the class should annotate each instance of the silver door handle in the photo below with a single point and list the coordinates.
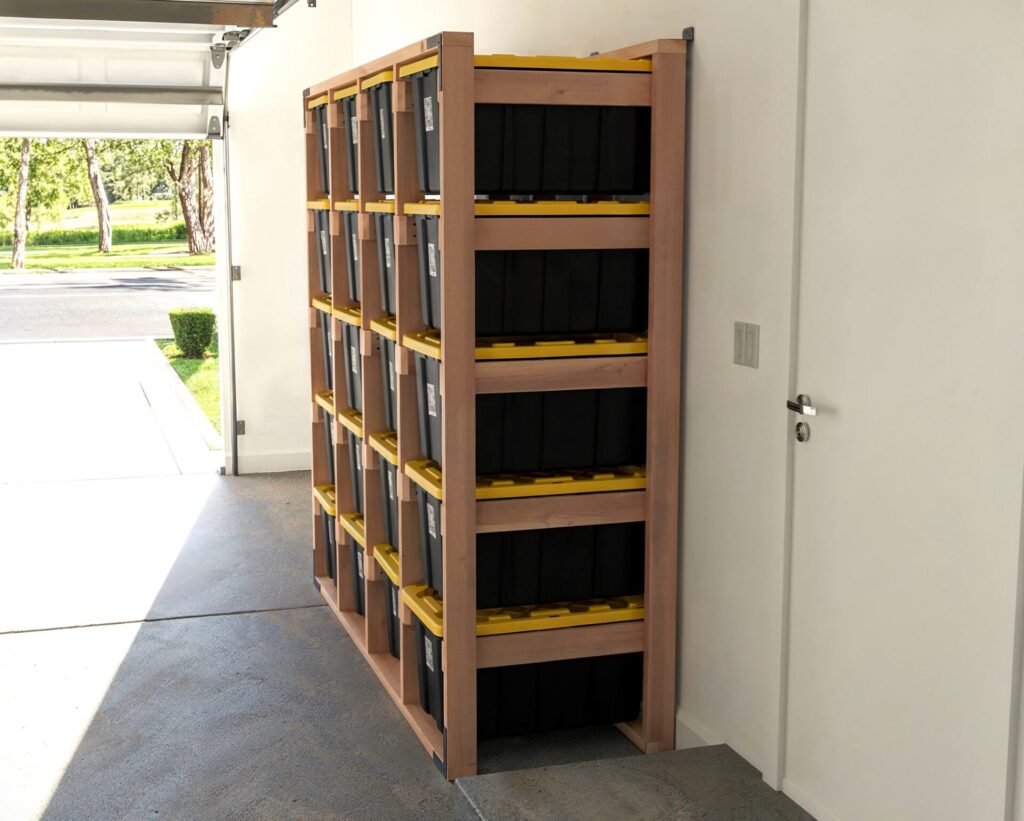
(802, 405)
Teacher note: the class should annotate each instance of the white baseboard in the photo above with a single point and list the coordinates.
(273, 461)
(691, 733)
(806, 802)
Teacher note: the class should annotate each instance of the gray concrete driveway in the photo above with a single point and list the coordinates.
(98, 303)
(84, 394)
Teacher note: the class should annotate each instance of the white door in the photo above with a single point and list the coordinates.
(906, 517)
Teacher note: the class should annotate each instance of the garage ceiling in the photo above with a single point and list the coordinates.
(244, 13)
(119, 67)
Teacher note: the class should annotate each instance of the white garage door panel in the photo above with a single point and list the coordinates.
(21, 66)
(168, 70)
(54, 54)
(55, 119)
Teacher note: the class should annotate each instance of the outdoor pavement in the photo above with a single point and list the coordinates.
(99, 303)
(95, 410)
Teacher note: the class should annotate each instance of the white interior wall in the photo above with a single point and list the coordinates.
(268, 221)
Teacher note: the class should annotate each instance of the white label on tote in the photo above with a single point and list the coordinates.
(355, 247)
(432, 259)
(359, 461)
(394, 603)
(323, 241)
(387, 254)
(391, 377)
(359, 561)
(383, 133)
(323, 128)
(353, 358)
(431, 400)
(431, 522)
(428, 653)
(391, 485)
(428, 113)
(355, 131)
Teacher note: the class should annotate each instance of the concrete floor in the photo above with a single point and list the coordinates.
(163, 654)
(702, 784)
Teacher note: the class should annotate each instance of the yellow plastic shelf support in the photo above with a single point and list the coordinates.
(386, 327)
(327, 497)
(423, 601)
(386, 444)
(542, 62)
(541, 208)
(386, 76)
(349, 91)
(351, 420)
(346, 205)
(427, 474)
(348, 314)
(355, 526)
(381, 207)
(387, 558)
(325, 399)
(322, 302)
(538, 62)
(560, 347)
(561, 208)
(316, 102)
(319, 205)
(431, 208)
(429, 609)
(427, 343)
(561, 483)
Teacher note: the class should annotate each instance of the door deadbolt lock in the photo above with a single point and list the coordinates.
(802, 431)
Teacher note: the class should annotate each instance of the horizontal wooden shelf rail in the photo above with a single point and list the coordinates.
(615, 507)
(561, 233)
(580, 373)
(554, 645)
(561, 87)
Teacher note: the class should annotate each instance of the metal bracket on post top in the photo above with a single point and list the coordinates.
(236, 273)
(435, 42)
(218, 53)
(239, 427)
(213, 130)
(688, 33)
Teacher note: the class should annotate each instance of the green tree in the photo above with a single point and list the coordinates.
(38, 177)
(99, 195)
(133, 169)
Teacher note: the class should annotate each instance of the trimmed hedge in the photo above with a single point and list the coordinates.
(170, 232)
(193, 330)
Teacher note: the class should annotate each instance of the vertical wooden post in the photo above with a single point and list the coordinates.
(458, 339)
(664, 366)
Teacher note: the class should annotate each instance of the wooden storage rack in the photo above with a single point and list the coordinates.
(466, 79)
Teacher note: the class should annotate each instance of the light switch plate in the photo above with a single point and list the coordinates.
(747, 344)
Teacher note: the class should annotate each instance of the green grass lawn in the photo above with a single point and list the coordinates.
(121, 213)
(127, 255)
(201, 377)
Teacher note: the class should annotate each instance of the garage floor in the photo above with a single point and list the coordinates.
(163, 654)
